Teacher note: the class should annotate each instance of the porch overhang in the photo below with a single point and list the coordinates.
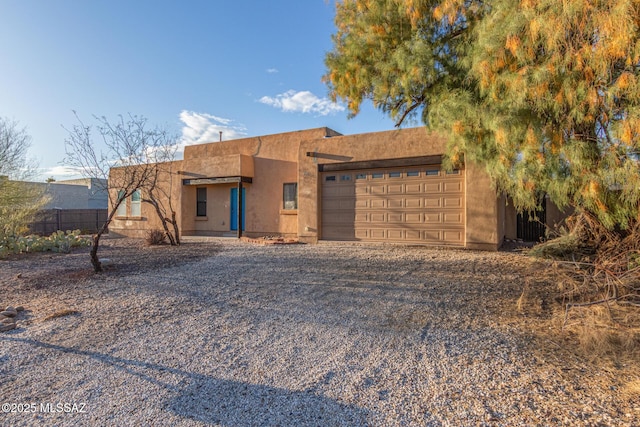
(217, 180)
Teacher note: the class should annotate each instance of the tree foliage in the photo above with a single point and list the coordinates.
(544, 93)
(19, 201)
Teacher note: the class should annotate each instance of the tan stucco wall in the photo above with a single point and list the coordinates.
(481, 205)
(273, 162)
(482, 210)
(169, 182)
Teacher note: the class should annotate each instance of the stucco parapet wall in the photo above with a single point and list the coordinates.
(281, 146)
(219, 166)
(396, 143)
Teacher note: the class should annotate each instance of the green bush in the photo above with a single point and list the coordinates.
(59, 241)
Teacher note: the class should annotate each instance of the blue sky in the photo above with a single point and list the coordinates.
(243, 67)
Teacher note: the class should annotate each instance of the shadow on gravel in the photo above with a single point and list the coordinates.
(226, 402)
(260, 405)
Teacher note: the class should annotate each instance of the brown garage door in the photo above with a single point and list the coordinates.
(413, 204)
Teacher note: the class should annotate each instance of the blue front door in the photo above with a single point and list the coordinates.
(234, 209)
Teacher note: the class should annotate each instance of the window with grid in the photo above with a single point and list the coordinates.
(201, 202)
(122, 208)
(136, 203)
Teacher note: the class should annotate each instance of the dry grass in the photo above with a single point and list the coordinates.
(631, 390)
(155, 237)
(596, 274)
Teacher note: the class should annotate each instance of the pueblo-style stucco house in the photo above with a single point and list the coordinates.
(317, 184)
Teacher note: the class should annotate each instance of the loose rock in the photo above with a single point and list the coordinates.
(7, 327)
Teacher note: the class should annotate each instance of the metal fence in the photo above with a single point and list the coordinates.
(531, 226)
(52, 220)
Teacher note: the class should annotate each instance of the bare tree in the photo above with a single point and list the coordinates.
(132, 149)
(19, 201)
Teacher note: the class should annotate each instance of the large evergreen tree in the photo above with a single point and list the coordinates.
(544, 93)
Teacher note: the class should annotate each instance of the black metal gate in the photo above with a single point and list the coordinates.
(531, 225)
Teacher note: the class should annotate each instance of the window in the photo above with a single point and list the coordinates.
(394, 174)
(413, 173)
(433, 172)
(361, 176)
(453, 172)
(330, 178)
(345, 177)
(290, 196)
(136, 198)
(201, 201)
(377, 175)
(122, 208)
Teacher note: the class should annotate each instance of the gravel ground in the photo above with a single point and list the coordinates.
(219, 332)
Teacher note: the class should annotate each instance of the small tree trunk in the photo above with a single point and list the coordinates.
(163, 220)
(95, 261)
(97, 267)
(176, 231)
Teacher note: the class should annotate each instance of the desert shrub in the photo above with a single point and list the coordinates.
(59, 241)
(155, 237)
(598, 279)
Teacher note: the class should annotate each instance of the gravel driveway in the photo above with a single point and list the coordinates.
(237, 334)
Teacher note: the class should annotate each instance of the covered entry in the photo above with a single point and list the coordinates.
(223, 212)
(415, 201)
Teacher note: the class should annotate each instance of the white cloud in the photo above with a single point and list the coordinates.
(61, 172)
(200, 128)
(302, 102)
(272, 70)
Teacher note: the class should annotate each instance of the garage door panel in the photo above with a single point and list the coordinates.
(395, 234)
(377, 189)
(339, 204)
(395, 217)
(413, 217)
(411, 188)
(330, 191)
(432, 187)
(379, 217)
(432, 235)
(412, 203)
(377, 233)
(452, 202)
(452, 218)
(395, 189)
(432, 218)
(452, 187)
(453, 236)
(362, 203)
(362, 217)
(377, 203)
(339, 233)
(395, 203)
(414, 235)
(362, 233)
(417, 204)
(432, 202)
